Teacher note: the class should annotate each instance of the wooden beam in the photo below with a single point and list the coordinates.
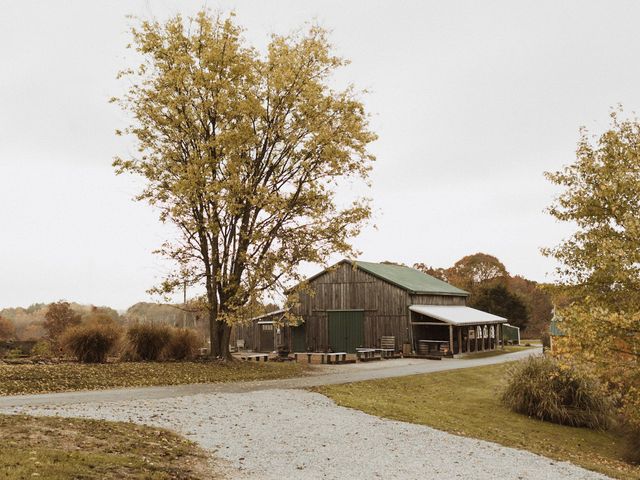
(459, 339)
(451, 339)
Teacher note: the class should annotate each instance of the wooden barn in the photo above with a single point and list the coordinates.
(355, 304)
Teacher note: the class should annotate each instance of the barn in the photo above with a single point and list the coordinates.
(355, 304)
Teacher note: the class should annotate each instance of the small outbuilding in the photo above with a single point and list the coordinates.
(354, 304)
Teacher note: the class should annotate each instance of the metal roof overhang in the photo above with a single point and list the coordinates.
(456, 315)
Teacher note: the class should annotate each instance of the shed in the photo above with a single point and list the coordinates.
(354, 304)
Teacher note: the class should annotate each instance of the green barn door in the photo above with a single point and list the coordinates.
(298, 341)
(346, 330)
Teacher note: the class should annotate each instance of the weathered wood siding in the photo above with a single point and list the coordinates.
(421, 299)
(385, 306)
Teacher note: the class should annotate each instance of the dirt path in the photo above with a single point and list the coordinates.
(321, 375)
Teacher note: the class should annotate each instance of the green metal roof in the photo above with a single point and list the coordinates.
(554, 330)
(409, 278)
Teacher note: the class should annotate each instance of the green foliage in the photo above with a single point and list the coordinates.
(147, 341)
(42, 349)
(90, 343)
(542, 388)
(496, 299)
(600, 262)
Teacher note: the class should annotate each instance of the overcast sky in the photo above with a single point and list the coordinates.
(472, 102)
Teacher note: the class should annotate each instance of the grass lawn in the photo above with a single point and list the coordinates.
(25, 379)
(495, 353)
(465, 402)
(62, 448)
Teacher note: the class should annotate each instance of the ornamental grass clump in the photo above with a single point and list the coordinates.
(183, 344)
(147, 341)
(542, 388)
(90, 343)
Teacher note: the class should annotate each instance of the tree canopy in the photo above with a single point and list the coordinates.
(59, 317)
(600, 263)
(244, 153)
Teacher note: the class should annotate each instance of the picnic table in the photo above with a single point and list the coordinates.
(255, 357)
(325, 357)
(365, 354)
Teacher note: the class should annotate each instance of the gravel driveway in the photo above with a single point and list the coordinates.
(295, 434)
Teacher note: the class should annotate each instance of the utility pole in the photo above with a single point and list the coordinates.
(184, 305)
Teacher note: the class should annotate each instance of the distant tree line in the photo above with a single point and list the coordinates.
(525, 303)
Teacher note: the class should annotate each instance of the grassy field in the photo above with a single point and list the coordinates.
(57, 449)
(465, 402)
(25, 379)
(495, 353)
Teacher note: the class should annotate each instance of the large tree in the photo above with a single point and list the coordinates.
(244, 153)
(59, 317)
(7, 329)
(497, 299)
(600, 263)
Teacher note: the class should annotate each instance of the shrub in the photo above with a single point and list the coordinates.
(90, 343)
(183, 344)
(42, 349)
(544, 389)
(147, 341)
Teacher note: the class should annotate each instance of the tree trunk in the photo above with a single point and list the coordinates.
(219, 333)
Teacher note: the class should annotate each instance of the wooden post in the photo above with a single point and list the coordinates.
(476, 335)
(451, 339)
(468, 339)
(459, 339)
(482, 330)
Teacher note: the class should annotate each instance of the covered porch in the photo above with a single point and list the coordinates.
(453, 330)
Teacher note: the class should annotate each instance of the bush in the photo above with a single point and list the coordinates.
(90, 343)
(542, 388)
(147, 341)
(42, 349)
(183, 344)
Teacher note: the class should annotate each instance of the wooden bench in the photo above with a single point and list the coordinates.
(255, 357)
(325, 357)
(386, 353)
(366, 354)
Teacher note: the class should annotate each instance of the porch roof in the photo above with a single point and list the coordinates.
(457, 315)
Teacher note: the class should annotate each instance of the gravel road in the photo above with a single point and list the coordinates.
(295, 434)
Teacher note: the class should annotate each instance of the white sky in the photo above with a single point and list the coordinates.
(472, 102)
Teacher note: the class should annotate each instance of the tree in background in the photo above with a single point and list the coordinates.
(244, 154)
(600, 262)
(498, 300)
(59, 317)
(475, 270)
(538, 301)
(524, 302)
(7, 329)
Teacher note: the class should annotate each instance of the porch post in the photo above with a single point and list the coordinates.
(476, 335)
(459, 339)
(451, 339)
(468, 339)
(482, 330)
